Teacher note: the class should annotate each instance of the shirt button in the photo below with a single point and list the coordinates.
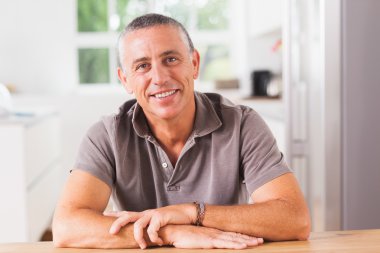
(165, 165)
(174, 188)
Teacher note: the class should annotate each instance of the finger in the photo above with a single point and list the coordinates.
(227, 244)
(246, 239)
(234, 234)
(252, 242)
(112, 213)
(153, 228)
(118, 213)
(138, 231)
(122, 221)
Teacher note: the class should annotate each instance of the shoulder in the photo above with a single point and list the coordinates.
(125, 113)
(225, 107)
(109, 125)
(244, 118)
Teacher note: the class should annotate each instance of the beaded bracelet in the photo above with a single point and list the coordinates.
(201, 209)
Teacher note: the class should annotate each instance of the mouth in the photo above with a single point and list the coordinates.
(164, 94)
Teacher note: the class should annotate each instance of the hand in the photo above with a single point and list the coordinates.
(184, 236)
(154, 219)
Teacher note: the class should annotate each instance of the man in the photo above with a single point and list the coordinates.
(171, 148)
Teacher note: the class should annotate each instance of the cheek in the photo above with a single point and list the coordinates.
(183, 74)
(137, 84)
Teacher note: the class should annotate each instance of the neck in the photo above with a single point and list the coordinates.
(172, 134)
(174, 130)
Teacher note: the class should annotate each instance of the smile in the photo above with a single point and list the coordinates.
(165, 94)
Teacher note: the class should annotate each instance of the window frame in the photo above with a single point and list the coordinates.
(109, 40)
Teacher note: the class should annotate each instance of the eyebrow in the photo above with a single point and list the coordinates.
(165, 53)
(142, 59)
(169, 52)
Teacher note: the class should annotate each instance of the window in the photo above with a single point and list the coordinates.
(93, 65)
(100, 21)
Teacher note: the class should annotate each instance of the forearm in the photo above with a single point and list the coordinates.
(273, 220)
(85, 228)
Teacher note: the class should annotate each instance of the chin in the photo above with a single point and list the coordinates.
(166, 115)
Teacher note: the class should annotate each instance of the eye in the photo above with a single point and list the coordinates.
(171, 59)
(142, 67)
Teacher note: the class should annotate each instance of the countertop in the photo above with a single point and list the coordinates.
(339, 241)
(28, 115)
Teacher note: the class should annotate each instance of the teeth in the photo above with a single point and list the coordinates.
(164, 94)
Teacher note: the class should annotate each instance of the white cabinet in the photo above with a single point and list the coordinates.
(30, 174)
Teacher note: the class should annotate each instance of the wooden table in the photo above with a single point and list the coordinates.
(339, 241)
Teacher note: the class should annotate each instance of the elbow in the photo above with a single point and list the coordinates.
(304, 234)
(59, 241)
(61, 237)
(303, 228)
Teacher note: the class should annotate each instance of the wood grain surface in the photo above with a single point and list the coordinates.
(337, 241)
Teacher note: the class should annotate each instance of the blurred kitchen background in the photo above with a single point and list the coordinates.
(309, 67)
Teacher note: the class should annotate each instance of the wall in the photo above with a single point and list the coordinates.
(38, 56)
(264, 15)
(256, 27)
(37, 45)
(265, 28)
(78, 111)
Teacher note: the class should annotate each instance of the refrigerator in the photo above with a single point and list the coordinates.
(331, 73)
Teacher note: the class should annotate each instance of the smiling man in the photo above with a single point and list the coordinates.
(184, 168)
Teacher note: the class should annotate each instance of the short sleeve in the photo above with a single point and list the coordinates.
(96, 154)
(261, 160)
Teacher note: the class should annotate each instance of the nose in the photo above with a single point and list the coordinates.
(159, 74)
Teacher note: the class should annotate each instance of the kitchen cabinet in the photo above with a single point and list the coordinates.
(30, 173)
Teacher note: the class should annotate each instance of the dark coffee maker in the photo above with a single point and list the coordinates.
(260, 80)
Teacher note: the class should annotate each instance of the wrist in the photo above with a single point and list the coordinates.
(190, 210)
(195, 212)
(167, 234)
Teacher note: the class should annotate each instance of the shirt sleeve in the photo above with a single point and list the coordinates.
(261, 160)
(96, 155)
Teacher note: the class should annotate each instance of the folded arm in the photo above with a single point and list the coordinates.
(279, 213)
(79, 223)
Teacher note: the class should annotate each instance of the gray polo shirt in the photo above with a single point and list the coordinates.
(229, 154)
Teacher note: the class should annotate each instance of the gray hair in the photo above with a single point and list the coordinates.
(150, 20)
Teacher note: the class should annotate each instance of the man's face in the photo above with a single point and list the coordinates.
(160, 70)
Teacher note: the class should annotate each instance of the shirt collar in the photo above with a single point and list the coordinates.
(139, 122)
(206, 118)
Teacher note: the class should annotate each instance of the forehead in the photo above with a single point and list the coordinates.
(154, 39)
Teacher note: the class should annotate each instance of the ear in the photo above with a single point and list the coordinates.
(123, 79)
(195, 61)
